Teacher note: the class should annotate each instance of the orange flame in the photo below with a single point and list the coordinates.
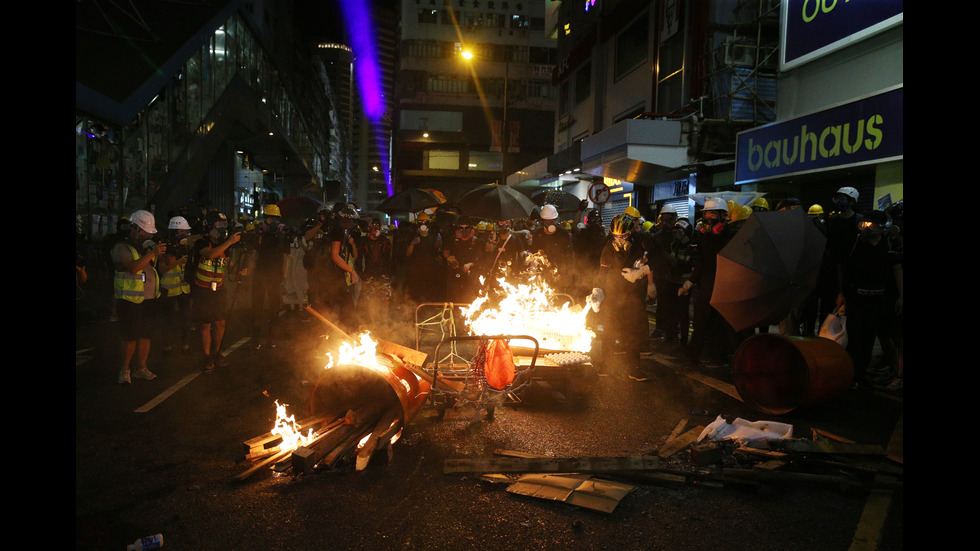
(286, 427)
(528, 308)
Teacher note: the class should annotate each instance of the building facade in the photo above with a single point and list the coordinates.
(474, 94)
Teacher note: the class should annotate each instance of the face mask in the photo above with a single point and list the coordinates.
(551, 228)
(621, 243)
(423, 228)
(464, 233)
(219, 234)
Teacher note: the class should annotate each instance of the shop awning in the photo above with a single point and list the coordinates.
(641, 151)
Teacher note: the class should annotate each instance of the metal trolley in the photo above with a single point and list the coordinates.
(458, 363)
(464, 383)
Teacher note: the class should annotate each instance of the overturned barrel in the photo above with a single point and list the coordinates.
(386, 386)
(776, 374)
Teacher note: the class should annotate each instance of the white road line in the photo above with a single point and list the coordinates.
(180, 384)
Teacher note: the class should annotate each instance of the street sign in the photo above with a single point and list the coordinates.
(599, 193)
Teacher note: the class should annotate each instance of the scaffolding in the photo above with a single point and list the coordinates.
(742, 62)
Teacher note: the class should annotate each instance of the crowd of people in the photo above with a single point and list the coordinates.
(357, 272)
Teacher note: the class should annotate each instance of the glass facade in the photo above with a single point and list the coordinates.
(120, 170)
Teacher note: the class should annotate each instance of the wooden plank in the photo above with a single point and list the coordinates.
(677, 444)
(260, 442)
(512, 453)
(386, 427)
(825, 446)
(549, 464)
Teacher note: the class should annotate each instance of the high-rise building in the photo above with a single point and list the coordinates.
(474, 93)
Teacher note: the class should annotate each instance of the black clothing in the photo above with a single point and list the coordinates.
(623, 311)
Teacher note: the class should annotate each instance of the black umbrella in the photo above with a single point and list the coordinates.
(562, 200)
(409, 200)
(768, 268)
(299, 207)
(495, 202)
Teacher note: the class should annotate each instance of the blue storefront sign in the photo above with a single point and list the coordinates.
(863, 131)
(812, 28)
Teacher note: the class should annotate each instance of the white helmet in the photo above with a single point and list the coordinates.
(849, 191)
(178, 223)
(549, 212)
(144, 219)
(668, 209)
(715, 203)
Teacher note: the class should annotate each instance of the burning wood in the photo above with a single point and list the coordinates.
(361, 401)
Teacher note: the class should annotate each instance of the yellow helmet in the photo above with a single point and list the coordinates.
(647, 225)
(632, 211)
(422, 217)
(272, 210)
(732, 205)
(815, 209)
(482, 226)
(741, 212)
(760, 204)
(622, 224)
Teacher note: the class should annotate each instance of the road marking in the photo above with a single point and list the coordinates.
(167, 393)
(183, 382)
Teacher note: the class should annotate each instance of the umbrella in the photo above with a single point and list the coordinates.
(767, 268)
(562, 200)
(741, 197)
(298, 207)
(409, 200)
(495, 202)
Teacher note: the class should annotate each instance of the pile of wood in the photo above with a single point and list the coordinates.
(683, 461)
(338, 442)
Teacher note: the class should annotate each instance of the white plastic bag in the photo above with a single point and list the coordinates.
(753, 434)
(835, 328)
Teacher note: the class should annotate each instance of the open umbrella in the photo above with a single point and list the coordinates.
(495, 202)
(741, 197)
(409, 200)
(562, 200)
(768, 268)
(298, 207)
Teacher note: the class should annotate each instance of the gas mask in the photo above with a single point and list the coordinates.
(712, 223)
(549, 226)
(218, 234)
(621, 243)
(423, 229)
(465, 233)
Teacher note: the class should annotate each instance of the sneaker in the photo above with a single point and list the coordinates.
(220, 361)
(895, 385)
(209, 367)
(144, 373)
(124, 376)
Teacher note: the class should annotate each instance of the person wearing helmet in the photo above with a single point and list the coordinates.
(175, 291)
(713, 337)
(673, 308)
(587, 245)
(555, 243)
(136, 286)
(465, 256)
(872, 294)
(619, 293)
(331, 268)
(760, 205)
(657, 243)
(843, 225)
(269, 258)
(211, 265)
(424, 267)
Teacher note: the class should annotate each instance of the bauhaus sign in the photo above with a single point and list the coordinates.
(813, 28)
(863, 131)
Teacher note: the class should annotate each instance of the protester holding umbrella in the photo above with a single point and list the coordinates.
(712, 334)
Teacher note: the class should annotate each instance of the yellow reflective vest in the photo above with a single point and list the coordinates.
(173, 281)
(131, 287)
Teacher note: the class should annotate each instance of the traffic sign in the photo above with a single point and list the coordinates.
(599, 193)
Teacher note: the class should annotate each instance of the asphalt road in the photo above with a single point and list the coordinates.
(161, 456)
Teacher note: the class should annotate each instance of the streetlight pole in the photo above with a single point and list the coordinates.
(505, 128)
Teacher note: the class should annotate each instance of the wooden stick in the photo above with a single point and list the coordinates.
(550, 464)
(386, 427)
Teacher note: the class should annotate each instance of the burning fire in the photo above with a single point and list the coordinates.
(363, 354)
(286, 428)
(527, 308)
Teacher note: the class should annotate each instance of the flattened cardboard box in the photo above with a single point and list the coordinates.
(580, 490)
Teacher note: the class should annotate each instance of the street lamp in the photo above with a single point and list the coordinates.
(505, 130)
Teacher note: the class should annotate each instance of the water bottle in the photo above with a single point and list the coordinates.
(147, 543)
